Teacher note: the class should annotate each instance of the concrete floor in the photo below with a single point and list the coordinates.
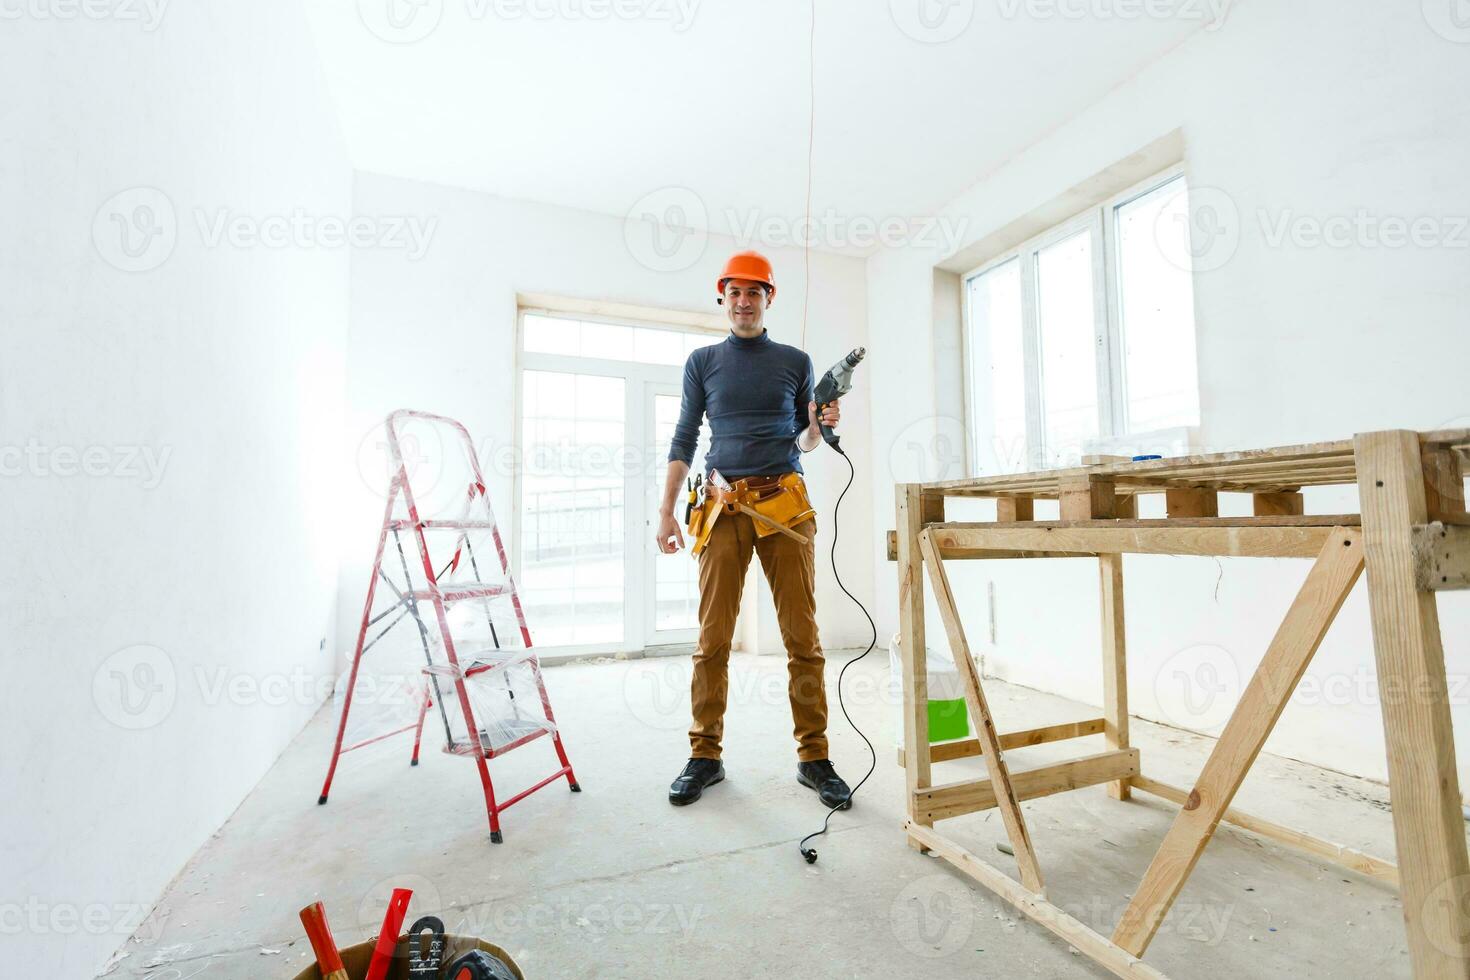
(614, 882)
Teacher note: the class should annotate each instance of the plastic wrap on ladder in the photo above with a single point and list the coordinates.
(504, 697)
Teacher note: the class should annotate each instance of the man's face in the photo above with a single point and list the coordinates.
(745, 305)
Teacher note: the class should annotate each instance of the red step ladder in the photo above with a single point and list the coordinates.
(499, 694)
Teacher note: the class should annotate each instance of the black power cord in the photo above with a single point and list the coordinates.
(810, 853)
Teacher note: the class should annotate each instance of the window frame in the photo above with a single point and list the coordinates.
(1100, 220)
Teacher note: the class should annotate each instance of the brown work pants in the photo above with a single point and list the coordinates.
(791, 570)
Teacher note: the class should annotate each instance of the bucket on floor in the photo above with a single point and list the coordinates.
(356, 958)
(948, 719)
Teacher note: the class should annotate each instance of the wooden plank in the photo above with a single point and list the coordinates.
(995, 762)
(1091, 944)
(1278, 504)
(1125, 506)
(1282, 541)
(1085, 498)
(1114, 661)
(1424, 788)
(969, 748)
(1363, 864)
(910, 518)
(1017, 508)
(1441, 556)
(971, 795)
(1191, 503)
(1332, 576)
(892, 541)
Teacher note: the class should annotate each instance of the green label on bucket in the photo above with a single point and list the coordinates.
(947, 720)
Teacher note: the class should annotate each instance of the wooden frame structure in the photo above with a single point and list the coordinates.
(1413, 538)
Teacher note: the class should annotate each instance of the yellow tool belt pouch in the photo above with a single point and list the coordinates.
(783, 500)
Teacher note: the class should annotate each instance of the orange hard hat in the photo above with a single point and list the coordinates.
(747, 265)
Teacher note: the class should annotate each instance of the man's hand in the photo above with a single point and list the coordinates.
(670, 538)
(830, 415)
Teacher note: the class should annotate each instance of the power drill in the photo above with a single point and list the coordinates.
(834, 384)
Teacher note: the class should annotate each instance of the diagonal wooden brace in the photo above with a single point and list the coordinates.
(1000, 778)
(1327, 586)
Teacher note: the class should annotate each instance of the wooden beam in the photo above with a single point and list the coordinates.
(995, 762)
(910, 520)
(1115, 661)
(1444, 483)
(971, 795)
(970, 748)
(1035, 907)
(1424, 787)
(1332, 576)
(1192, 503)
(1363, 864)
(1085, 498)
(1278, 504)
(1017, 508)
(1441, 556)
(1114, 537)
(1125, 506)
(892, 540)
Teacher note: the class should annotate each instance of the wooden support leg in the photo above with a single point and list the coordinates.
(1192, 503)
(1086, 498)
(911, 641)
(1429, 829)
(1019, 508)
(1332, 576)
(1115, 666)
(1283, 504)
(995, 763)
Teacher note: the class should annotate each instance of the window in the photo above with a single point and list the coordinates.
(1081, 340)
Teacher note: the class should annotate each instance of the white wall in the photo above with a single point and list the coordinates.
(437, 333)
(224, 362)
(1304, 110)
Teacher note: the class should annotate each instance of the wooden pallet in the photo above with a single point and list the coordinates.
(1413, 538)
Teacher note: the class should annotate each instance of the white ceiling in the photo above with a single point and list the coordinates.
(595, 109)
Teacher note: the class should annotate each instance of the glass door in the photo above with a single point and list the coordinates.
(671, 604)
(572, 518)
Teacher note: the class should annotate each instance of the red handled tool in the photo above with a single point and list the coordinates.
(328, 960)
(388, 935)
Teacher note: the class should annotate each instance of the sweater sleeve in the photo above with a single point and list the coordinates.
(804, 397)
(691, 413)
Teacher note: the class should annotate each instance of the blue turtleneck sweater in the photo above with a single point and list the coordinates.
(755, 393)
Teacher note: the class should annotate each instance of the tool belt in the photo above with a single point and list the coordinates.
(775, 504)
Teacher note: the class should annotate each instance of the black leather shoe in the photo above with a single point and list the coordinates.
(698, 774)
(820, 776)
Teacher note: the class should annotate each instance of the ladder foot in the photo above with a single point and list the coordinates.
(413, 762)
(321, 799)
(576, 788)
(496, 838)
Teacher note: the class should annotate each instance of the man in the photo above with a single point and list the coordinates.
(758, 397)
